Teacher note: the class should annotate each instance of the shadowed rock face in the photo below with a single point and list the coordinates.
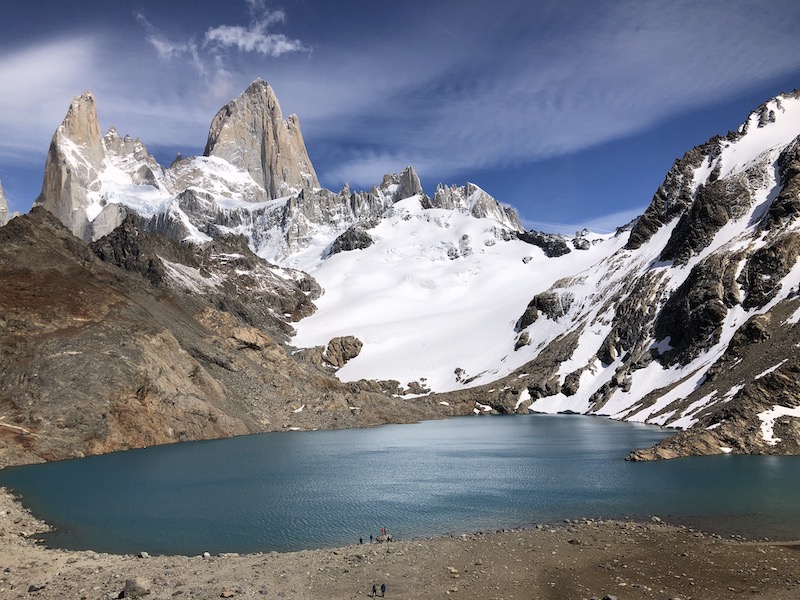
(355, 238)
(250, 133)
(553, 245)
(715, 205)
(552, 304)
(692, 316)
(674, 196)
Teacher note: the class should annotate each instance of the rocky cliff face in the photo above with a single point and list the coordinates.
(250, 133)
(473, 200)
(88, 177)
(694, 324)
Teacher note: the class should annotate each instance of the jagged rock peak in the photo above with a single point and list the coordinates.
(250, 133)
(767, 113)
(71, 171)
(81, 127)
(402, 185)
(473, 200)
(3, 208)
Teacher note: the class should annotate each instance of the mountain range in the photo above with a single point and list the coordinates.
(230, 293)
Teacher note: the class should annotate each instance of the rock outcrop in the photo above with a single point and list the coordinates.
(552, 245)
(473, 200)
(355, 238)
(342, 349)
(250, 133)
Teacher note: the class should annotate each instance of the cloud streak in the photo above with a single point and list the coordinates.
(614, 73)
(256, 37)
(170, 50)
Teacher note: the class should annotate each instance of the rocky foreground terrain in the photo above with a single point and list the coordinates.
(570, 561)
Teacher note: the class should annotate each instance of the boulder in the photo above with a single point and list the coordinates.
(135, 588)
(342, 349)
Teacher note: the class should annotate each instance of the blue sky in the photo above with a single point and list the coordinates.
(571, 111)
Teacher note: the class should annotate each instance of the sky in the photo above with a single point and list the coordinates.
(571, 111)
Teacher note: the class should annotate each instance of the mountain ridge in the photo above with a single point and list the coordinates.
(687, 318)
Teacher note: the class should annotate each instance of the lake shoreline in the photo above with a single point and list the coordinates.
(579, 559)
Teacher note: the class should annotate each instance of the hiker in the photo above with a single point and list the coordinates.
(383, 590)
(374, 590)
(370, 538)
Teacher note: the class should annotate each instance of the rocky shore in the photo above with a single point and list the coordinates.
(573, 560)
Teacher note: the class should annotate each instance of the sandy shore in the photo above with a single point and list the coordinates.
(572, 561)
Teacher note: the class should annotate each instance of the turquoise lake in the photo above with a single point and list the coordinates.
(297, 490)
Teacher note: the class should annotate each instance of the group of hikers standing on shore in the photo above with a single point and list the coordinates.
(385, 536)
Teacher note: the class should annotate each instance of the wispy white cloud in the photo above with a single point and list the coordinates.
(256, 37)
(212, 61)
(169, 50)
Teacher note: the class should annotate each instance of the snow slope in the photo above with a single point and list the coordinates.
(439, 290)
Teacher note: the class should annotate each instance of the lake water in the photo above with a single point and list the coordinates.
(296, 490)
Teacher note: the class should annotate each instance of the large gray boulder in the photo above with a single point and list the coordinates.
(342, 349)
